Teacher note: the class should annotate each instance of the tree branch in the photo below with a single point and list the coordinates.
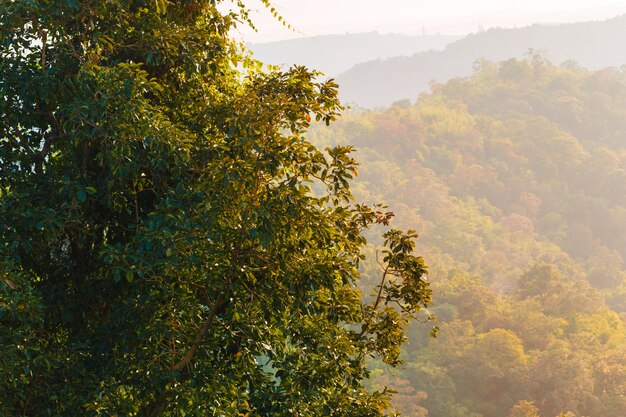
(377, 301)
(186, 359)
(158, 406)
(21, 143)
(44, 41)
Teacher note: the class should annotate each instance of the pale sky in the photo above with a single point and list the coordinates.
(454, 17)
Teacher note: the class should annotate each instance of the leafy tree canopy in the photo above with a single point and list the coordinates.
(162, 251)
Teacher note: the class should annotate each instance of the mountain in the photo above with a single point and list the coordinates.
(593, 45)
(333, 54)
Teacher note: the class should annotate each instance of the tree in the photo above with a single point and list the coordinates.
(558, 294)
(524, 408)
(492, 369)
(170, 244)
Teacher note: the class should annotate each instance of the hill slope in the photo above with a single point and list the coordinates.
(516, 180)
(333, 54)
(593, 45)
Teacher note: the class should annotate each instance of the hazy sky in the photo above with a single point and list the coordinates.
(317, 17)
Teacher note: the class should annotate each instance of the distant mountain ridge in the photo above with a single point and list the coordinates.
(333, 54)
(593, 45)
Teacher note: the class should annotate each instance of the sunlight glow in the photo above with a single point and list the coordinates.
(418, 16)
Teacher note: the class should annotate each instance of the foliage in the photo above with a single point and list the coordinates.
(515, 177)
(524, 409)
(170, 244)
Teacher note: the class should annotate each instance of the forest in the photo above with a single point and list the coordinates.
(515, 179)
(185, 231)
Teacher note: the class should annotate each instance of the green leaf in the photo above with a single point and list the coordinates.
(81, 196)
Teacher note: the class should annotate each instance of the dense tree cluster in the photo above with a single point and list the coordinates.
(516, 178)
(170, 243)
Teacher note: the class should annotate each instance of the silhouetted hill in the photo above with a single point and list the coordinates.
(334, 54)
(591, 44)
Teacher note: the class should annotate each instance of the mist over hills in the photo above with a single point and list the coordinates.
(333, 54)
(515, 179)
(593, 45)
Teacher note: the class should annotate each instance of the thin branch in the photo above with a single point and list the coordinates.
(156, 408)
(136, 209)
(378, 261)
(46, 145)
(44, 41)
(200, 336)
(380, 289)
(378, 298)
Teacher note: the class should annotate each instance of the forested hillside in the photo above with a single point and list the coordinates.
(515, 179)
(593, 45)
